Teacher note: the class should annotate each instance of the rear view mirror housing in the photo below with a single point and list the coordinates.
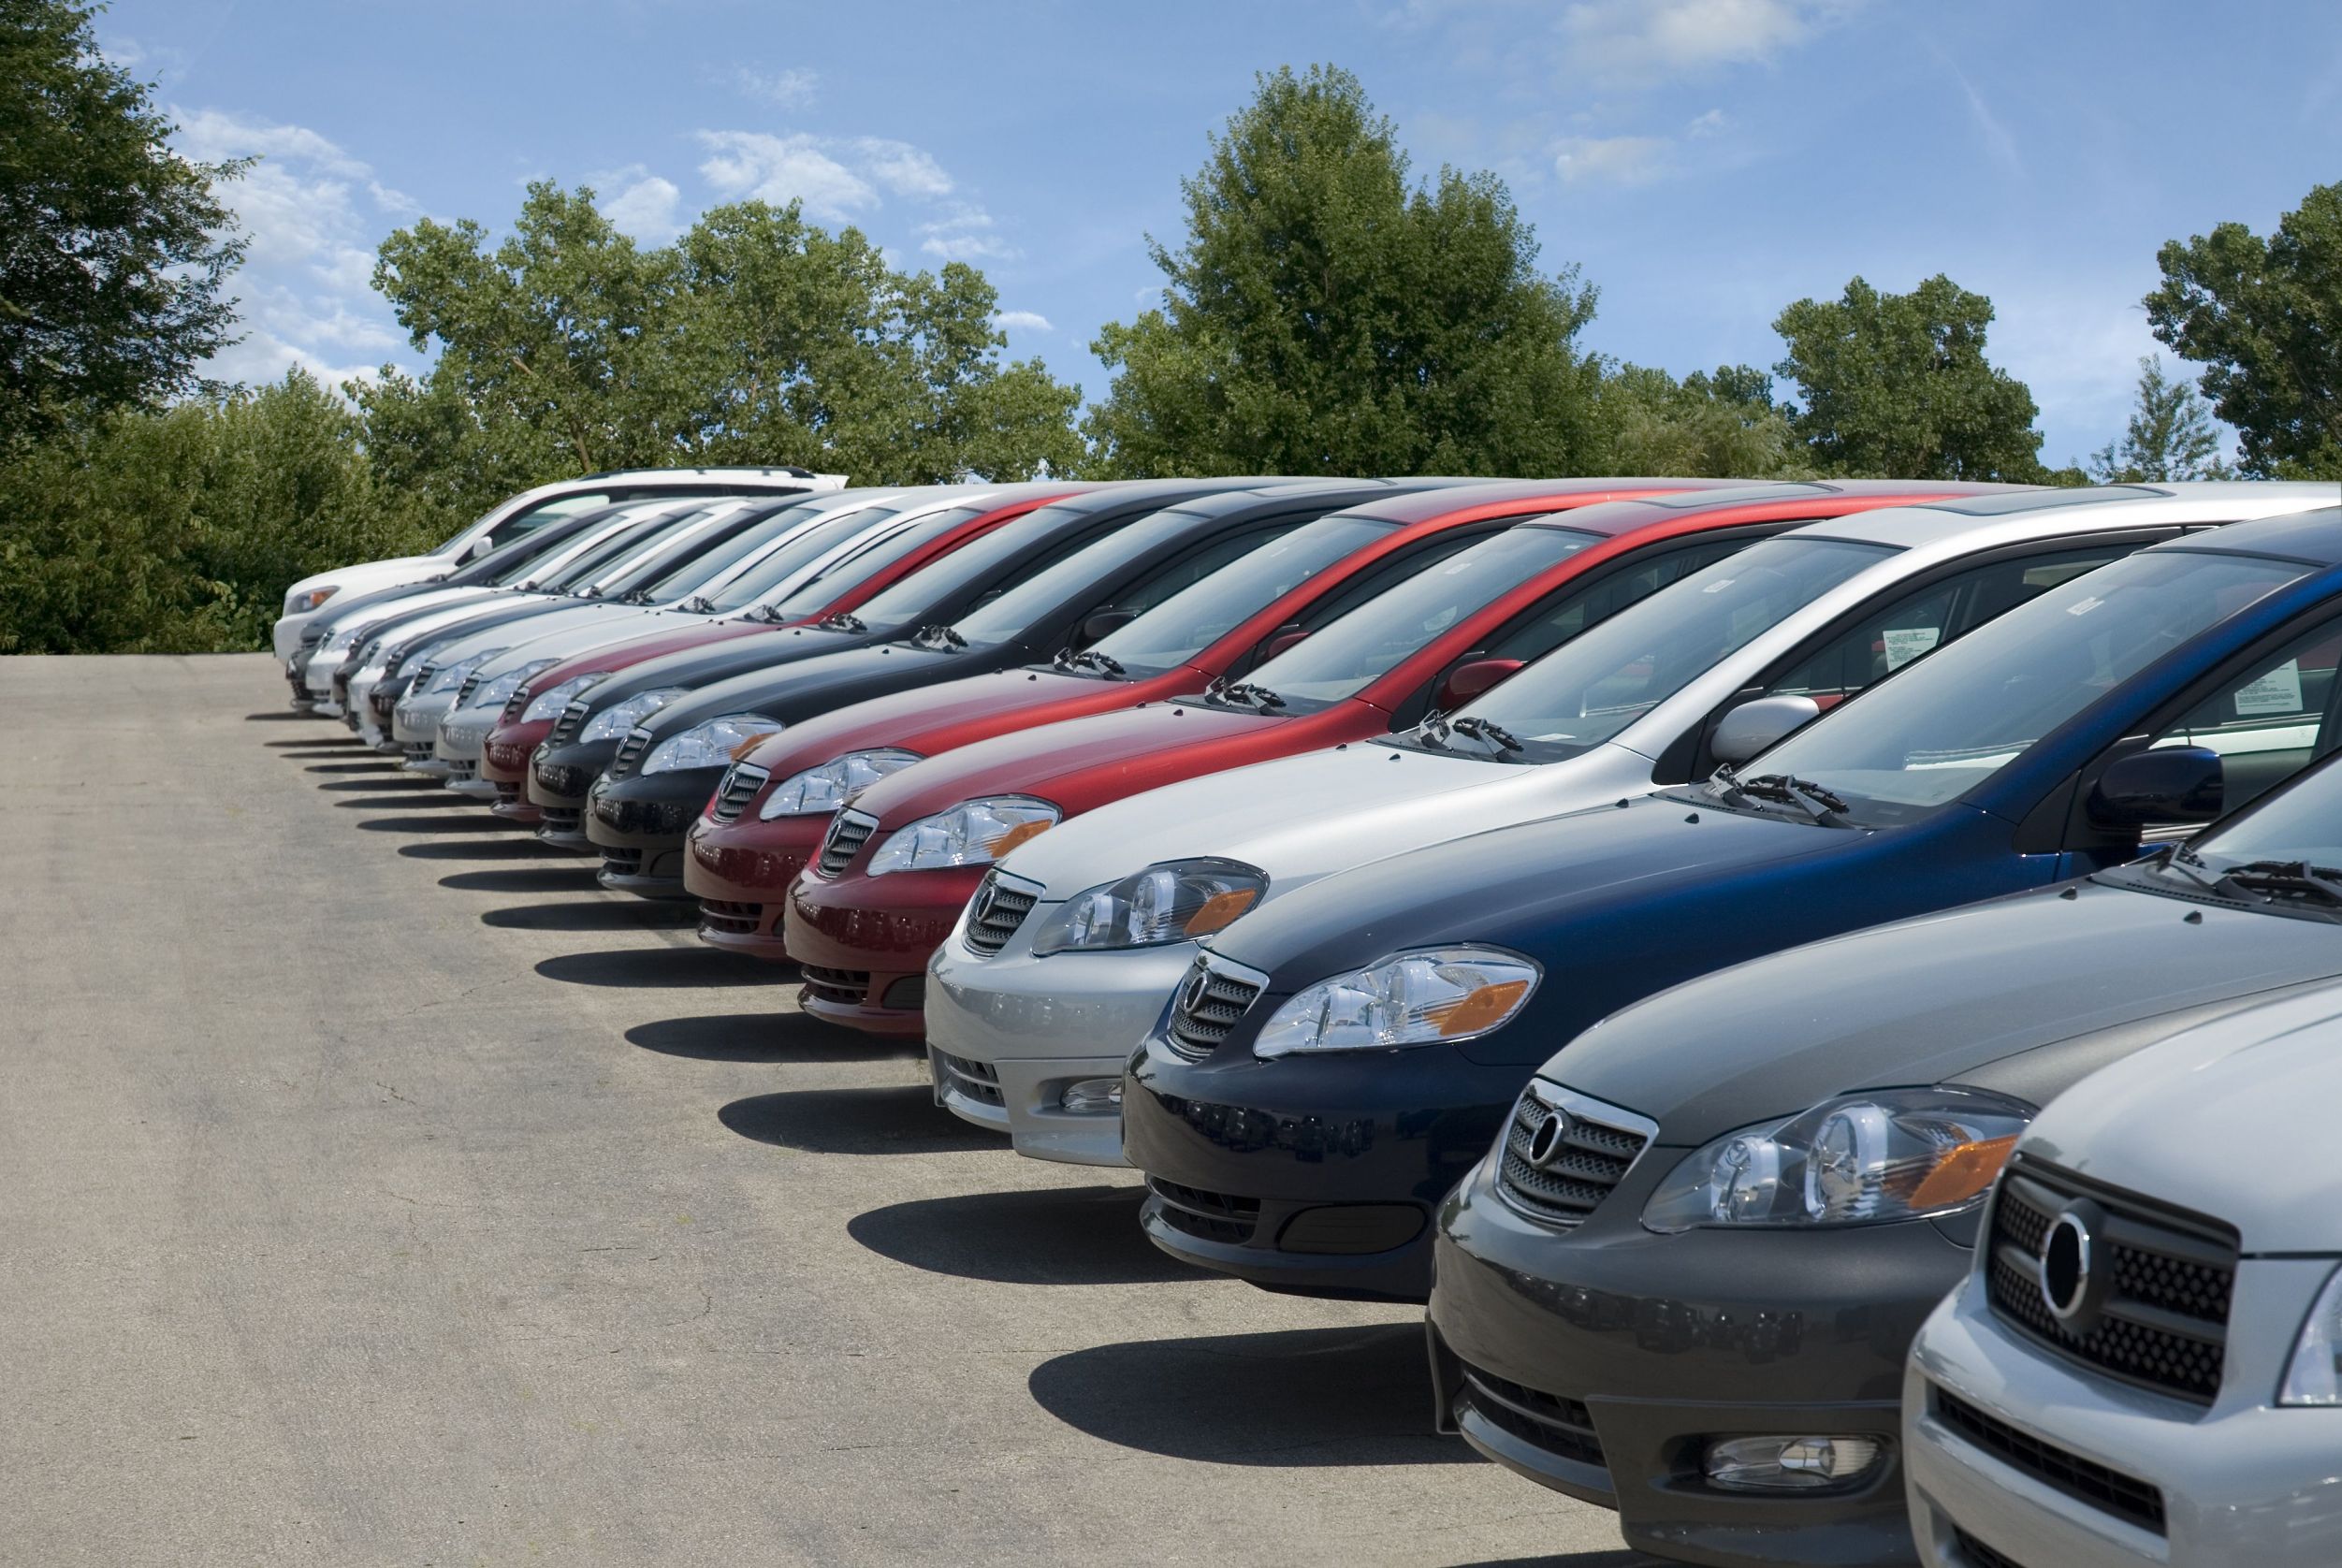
(1757, 724)
(1283, 642)
(1097, 623)
(2167, 784)
(1467, 681)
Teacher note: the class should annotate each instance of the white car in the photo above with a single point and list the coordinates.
(2146, 1365)
(512, 519)
(1707, 671)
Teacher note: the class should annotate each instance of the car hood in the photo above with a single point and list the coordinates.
(572, 630)
(406, 628)
(1077, 764)
(398, 572)
(336, 617)
(1976, 994)
(707, 656)
(804, 688)
(2181, 1121)
(933, 718)
(1302, 817)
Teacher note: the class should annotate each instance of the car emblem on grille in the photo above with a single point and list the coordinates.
(981, 910)
(1191, 994)
(2068, 1287)
(1546, 1141)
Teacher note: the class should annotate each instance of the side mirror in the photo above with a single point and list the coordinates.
(1467, 681)
(2169, 784)
(1100, 622)
(1756, 725)
(1283, 640)
(479, 548)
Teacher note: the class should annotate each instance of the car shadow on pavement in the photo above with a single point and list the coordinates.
(380, 764)
(316, 753)
(321, 740)
(274, 715)
(479, 847)
(660, 967)
(597, 914)
(1571, 1560)
(414, 784)
(409, 802)
(902, 1120)
(577, 874)
(765, 1036)
(1056, 1236)
(480, 824)
(1294, 1397)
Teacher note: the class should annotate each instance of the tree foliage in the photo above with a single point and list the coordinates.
(2170, 435)
(2264, 319)
(1896, 386)
(1717, 425)
(1325, 314)
(113, 250)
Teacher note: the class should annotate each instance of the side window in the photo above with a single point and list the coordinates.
(1924, 619)
(2275, 721)
(1556, 621)
(549, 512)
(1137, 598)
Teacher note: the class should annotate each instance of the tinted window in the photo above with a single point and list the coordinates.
(858, 566)
(2273, 722)
(1003, 557)
(543, 513)
(784, 564)
(714, 565)
(1093, 568)
(638, 545)
(1190, 620)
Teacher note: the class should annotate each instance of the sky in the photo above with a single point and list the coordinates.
(1703, 163)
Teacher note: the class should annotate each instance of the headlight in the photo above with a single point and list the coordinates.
(340, 641)
(616, 720)
(709, 744)
(308, 599)
(1859, 1159)
(2314, 1376)
(496, 693)
(549, 703)
(973, 833)
(818, 791)
(448, 676)
(1172, 903)
(1410, 999)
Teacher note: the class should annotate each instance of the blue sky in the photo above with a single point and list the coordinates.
(1704, 162)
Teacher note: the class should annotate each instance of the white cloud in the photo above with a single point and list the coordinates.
(902, 168)
(639, 202)
(756, 166)
(1022, 321)
(793, 88)
(311, 214)
(1643, 42)
(1711, 124)
(965, 234)
(1617, 160)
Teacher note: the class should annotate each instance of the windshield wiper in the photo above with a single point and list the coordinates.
(943, 639)
(698, 604)
(841, 620)
(1786, 789)
(640, 596)
(1487, 730)
(1433, 729)
(1087, 659)
(1242, 693)
(2297, 877)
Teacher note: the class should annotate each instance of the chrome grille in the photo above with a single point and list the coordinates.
(2085, 1480)
(463, 692)
(1563, 1154)
(975, 1080)
(631, 751)
(741, 781)
(2163, 1321)
(565, 728)
(848, 831)
(1211, 999)
(999, 906)
(1559, 1425)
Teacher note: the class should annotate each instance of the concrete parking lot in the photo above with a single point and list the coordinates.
(381, 1191)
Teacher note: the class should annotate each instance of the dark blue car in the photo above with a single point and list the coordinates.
(1335, 1062)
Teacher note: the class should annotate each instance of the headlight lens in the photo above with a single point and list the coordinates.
(709, 744)
(2314, 1376)
(549, 703)
(448, 676)
(1176, 902)
(1859, 1159)
(308, 599)
(1409, 999)
(973, 833)
(818, 791)
(496, 693)
(613, 721)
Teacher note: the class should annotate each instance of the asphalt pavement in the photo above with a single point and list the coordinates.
(380, 1191)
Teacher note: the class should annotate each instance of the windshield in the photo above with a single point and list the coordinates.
(1086, 570)
(668, 529)
(1203, 612)
(1957, 717)
(678, 549)
(784, 564)
(556, 563)
(713, 563)
(599, 557)
(1589, 689)
(873, 556)
(1358, 649)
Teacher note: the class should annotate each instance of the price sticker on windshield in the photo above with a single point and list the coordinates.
(2278, 691)
(2085, 607)
(1909, 643)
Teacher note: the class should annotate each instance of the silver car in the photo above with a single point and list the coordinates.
(2146, 1365)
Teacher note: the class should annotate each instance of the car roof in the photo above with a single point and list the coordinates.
(2314, 536)
(1423, 506)
(2015, 518)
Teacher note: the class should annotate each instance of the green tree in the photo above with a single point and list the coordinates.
(1720, 425)
(1896, 386)
(2169, 435)
(113, 250)
(1325, 314)
(2264, 319)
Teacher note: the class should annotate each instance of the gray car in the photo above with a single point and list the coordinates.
(2146, 1365)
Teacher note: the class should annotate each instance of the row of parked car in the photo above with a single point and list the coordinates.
(1649, 921)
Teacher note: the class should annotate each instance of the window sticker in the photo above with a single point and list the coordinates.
(2278, 691)
(2085, 607)
(1908, 644)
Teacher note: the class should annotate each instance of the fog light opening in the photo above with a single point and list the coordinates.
(1787, 1464)
(1092, 1097)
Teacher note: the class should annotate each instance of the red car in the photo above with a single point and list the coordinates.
(505, 762)
(768, 817)
(900, 863)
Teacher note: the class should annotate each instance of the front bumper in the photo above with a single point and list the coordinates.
(2241, 1482)
(462, 739)
(740, 872)
(560, 781)
(504, 764)
(1039, 1025)
(1316, 1176)
(638, 825)
(1602, 1361)
(864, 942)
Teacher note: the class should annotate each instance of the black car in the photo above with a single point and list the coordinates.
(662, 777)
(1683, 1283)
